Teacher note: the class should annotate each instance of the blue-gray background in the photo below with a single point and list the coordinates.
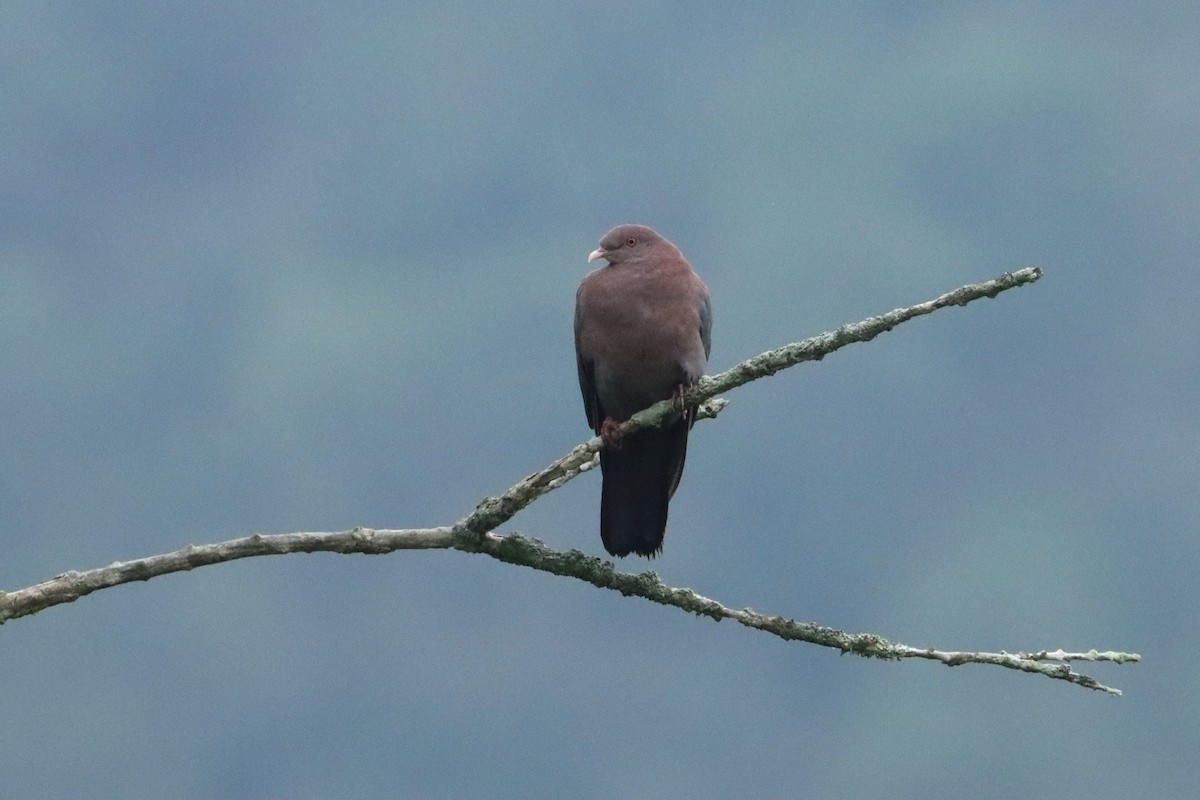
(284, 266)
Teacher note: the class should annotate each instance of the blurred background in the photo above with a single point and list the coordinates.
(290, 266)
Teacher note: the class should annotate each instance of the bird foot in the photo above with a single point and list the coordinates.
(677, 402)
(611, 433)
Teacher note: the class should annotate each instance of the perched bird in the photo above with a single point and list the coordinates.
(642, 333)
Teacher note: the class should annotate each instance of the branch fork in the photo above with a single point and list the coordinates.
(474, 533)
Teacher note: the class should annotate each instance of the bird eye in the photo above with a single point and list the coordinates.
(631, 241)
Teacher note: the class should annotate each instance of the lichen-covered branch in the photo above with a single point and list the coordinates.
(517, 549)
(495, 511)
(527, 552)
(70, 586)
(474, 533)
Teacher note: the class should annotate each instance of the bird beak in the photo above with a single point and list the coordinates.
(595, 254)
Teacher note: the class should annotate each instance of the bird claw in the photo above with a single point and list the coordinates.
(677, 402)
(611, 433)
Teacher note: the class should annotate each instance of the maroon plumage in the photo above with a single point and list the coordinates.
(642, 331)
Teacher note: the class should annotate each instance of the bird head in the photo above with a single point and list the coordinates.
(625, 242)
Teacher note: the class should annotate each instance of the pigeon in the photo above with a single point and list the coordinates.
(642, 334)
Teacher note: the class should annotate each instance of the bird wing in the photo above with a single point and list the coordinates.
(587, 373)
(706, 322)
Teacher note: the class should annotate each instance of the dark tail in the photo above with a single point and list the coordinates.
(639, 478)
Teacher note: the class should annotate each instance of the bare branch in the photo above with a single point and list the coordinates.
(495, 511)
(517, 549)
(527, 552)
(473, 533)
(70, 586)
